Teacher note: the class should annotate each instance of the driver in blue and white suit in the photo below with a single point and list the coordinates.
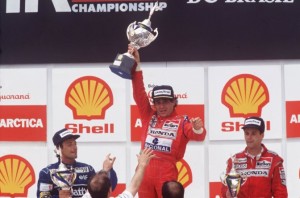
(66, 150)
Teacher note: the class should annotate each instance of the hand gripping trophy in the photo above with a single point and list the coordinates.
(232, 180)
(63, 177)
(140, 34)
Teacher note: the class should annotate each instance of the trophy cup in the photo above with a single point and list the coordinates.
(232, 180)
(63, 177)
(140, 34)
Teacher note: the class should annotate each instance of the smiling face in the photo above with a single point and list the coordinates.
(164, 107)
(253, 138)
(69, 151)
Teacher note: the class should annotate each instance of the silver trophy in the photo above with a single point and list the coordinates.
(63, 177)
(232, 180)
(140, 34)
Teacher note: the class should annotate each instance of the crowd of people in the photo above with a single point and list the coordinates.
(164, 137)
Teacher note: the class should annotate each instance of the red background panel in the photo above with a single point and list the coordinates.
(118, 190)
(15, 133)
(292, 109)
(215, 189)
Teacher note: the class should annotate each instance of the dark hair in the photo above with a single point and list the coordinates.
(59, 146)
(99, 185)
(175, 99)
(172, 189)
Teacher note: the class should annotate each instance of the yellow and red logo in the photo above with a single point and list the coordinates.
(16, 176)
(89, 97)
(185, 176)
(245, 95)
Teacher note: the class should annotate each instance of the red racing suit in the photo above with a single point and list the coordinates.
(265, 176)
(167, 136)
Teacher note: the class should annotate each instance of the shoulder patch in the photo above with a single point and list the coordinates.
(45, 187)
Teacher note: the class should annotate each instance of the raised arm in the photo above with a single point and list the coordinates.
(108, 167)
(143, 161)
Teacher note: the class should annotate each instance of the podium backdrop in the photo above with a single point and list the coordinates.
(62, 31)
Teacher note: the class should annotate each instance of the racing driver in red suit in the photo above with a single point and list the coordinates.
(163, 130)
(262, 169)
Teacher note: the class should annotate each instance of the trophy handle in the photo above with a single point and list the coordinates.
(156, 33)
(223, 178)
(128, 28)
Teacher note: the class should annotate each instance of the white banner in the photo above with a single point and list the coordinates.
(186, 80)
(23, 86)
(90, 101)
(21, 157)
(236, 92)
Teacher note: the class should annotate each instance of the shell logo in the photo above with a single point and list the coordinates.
(89, 97)
(184, 173)
(16, 176)
(245, 95)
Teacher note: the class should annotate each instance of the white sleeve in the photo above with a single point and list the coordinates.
(125, 194)
(86, 195)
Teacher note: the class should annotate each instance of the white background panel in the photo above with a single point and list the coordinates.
(95, 153)
(292, 99)
(218, 155)
(63, 78)
(202, 81)
(35, 154)
(194, 156)
(31, 82)
(293, 168)
(292, 82)
(218, 113)
(187, 81)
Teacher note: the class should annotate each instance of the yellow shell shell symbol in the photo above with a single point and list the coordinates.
(89, 97)
(245, 95)
(16, 176)
(184, 173)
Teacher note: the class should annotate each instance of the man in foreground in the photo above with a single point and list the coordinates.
(99, 185)
(262, 169)
(66, 151)
(172, 189)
